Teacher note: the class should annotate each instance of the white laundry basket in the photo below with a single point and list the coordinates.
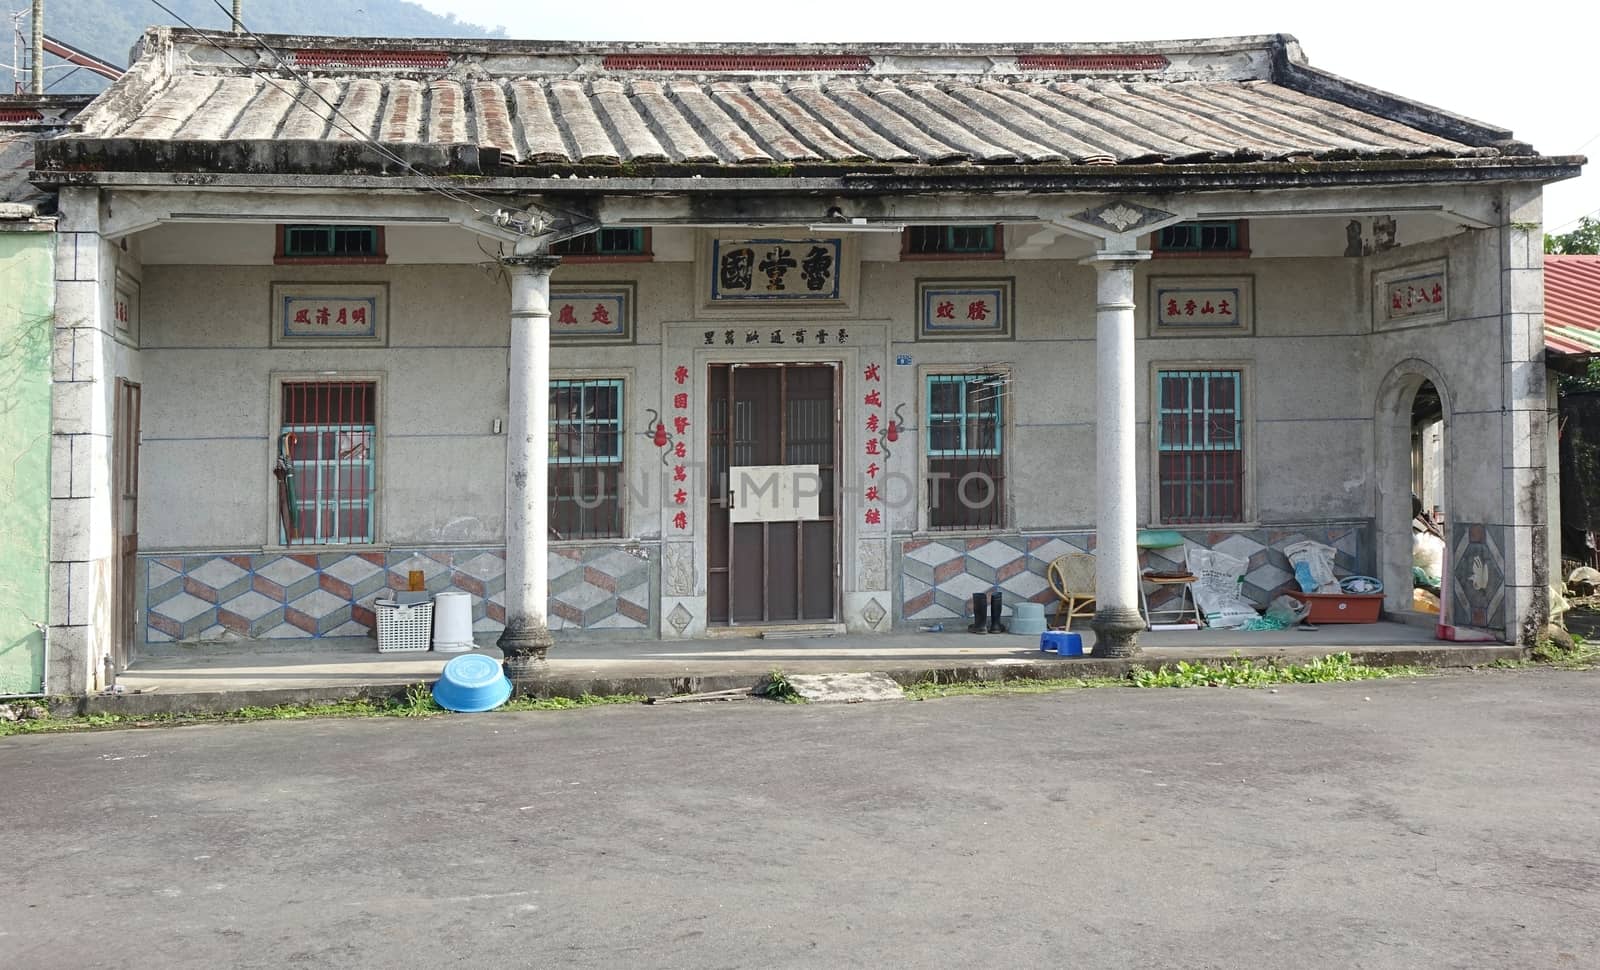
(403, 627)
(452, 630)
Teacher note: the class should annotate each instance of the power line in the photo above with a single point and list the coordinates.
(348, 127)
(343, 123)
(363, 137)
(1557, 230)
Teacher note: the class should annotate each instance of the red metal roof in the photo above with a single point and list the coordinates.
(1572, 304)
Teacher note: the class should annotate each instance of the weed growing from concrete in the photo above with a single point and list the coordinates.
(1231, 673)
(778, 688)
(1333, 668)
(417, 702)
(1582, 655)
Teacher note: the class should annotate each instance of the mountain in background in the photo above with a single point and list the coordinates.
(109, 28)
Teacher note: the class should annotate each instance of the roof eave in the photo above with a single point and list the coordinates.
(273, 164)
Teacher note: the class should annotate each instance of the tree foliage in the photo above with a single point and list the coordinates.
(1584, 239)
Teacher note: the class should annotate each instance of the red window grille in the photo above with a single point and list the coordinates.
(325, 445)
(1201, 446)
(420, 60)
(1093, 62)
(736, 62)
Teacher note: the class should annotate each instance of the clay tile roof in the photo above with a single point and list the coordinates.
(771, 106)
(1572, 304)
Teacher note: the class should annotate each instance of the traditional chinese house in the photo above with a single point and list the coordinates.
(662, 341)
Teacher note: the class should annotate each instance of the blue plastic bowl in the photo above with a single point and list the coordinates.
(472, 682)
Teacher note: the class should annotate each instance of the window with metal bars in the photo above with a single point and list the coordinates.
(951, 242)
(966, 467)
(586, 440)
(336, 244)
(608, 244)
(326, 469)
(1200, 446)
(1214, 237)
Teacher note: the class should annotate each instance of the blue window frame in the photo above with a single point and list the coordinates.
(586, 450)
(1200, 440)
(965, 448)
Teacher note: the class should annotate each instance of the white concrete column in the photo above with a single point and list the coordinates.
(1116, 619)
(527, 633)
(83, 548)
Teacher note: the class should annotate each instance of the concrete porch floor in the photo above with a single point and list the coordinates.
(356, 662)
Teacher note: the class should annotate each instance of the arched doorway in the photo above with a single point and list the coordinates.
(1414, 471)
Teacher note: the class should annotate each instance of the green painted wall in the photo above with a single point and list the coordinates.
(27, 292)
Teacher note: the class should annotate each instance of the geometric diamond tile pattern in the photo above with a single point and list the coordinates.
(938, 576)
(330, 593)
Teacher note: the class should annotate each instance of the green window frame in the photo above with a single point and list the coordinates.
(1212, 236)
(610, 242)
(952, 240)
(331, 242)
(586, 458)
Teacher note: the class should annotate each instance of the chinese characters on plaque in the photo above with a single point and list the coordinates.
(964, 309)
(1411, 295)
(1182, 304)
(775, 270)
(330, 314)
(589, 313)
(125, 307)
(679, 389)
(790, 336)
(875, 453)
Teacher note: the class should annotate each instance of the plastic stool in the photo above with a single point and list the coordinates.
(1061, 643)
(1027, 619)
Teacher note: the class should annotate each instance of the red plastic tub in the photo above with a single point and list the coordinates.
(1341, 607)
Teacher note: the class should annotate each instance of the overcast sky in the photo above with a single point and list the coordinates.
(1530, 69)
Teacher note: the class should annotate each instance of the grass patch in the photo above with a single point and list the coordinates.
(1334, 668)
(417, 702)
(929, 689)
(1230, 673)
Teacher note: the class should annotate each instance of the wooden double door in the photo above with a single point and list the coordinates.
(773, 428)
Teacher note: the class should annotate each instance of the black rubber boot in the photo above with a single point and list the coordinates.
(995, 626)
(980, 613)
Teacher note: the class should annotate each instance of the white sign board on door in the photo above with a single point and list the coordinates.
(774, 493)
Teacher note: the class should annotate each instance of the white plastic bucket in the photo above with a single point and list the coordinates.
(452, 622)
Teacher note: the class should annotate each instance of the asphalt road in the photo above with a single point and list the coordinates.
(1446, 822)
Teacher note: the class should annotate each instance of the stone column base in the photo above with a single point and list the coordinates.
(524, 644)
(1116, 632)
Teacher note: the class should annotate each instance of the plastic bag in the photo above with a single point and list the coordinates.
(1288, 610)
(1427, 554)
(1424, 602)
(1313, 566)
(1216, 589)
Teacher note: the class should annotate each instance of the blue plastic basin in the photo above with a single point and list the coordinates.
(472, 682)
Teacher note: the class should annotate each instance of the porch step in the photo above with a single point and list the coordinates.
(800, 632)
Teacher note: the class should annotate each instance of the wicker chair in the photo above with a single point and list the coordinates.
(1072, 578)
